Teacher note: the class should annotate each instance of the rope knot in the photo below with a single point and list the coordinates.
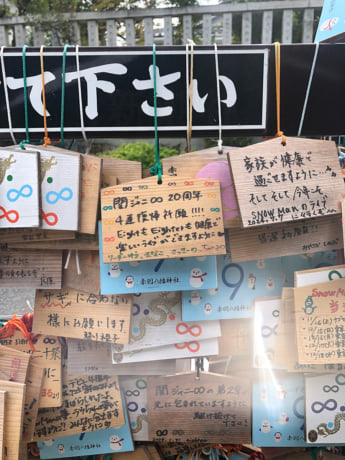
(47, 141)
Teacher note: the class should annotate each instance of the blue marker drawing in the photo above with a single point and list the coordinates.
(65, 194)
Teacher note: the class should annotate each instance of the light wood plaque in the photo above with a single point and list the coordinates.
(146, 220)
(276, 183)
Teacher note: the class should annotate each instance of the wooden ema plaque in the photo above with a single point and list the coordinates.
(15, 395)
(30, 268)
(19, 191)
(215, 408)
(276, 183)
(90, 187)
(82, 241)
(81, 315)
(2, 422)
(208, 164)
(47, 355)
(290, 238)
(60, 187)
(90, 403)
(13, 364)
(236, 338)
(319, 315)
(146, 220)
(88, 280)
(116, 171)
(34, 383)
(30, 235)
(91, 358)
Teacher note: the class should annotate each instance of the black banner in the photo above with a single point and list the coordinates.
(117, 91)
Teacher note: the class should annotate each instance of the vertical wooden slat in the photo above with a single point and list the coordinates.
(130, 32)
(267, 24)
(148, 31)
(227, 28)
(111, 32)
(3, 36)
(167, 31)
(287, 23)
(308, 19)
(206, 29)
(75, 33)
(92, 33)
(19, 34)
(187, 28)
(246, 28)
(39, 37)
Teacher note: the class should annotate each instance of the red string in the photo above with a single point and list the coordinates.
(258, 455)
(16, 323)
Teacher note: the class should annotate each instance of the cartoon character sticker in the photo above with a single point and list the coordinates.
(195, 298)
(129, 281)
(265, 426)
(196, 278)
(115, 442)
(115, 270)
(251, 281)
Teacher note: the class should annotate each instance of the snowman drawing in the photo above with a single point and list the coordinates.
(195, 298)
(251, 281)
(129, 281)
(115, 442)
(196, 278)
(115, 270)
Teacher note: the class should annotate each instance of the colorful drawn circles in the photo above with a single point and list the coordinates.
(143, 384)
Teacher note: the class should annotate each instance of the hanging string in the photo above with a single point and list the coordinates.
(190, 94)
(62, 118)
(312, 71)
(220, 140)
(81, 110)
(8, 109)
(77, 262)
(47, 140)
(26, 113)
(277, 63)
(12, 325)
(187, 92)
(157, 168)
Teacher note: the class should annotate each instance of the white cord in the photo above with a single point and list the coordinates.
(68, 258)
(187, 88)
(308, 89)
(8, 109)
(77, 262)
(81, 109)
(220, 141)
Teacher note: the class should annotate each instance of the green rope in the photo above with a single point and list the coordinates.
(157, 168)
(63, 95)
(27, 140)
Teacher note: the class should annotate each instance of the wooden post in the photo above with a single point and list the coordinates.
(287, 26)
(148, 31)
(246, 28)
(267, 23)
(92, 33)
(111, 32)
(206, 29)
(130, 32)
(167, 31)
(308, 18)
(187, 28)
(227, 29)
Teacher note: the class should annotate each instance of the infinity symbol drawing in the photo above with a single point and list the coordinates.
(50, 215)
(7, 215)
(188, 330)
(65, 194)
(19, 193)
(189, 346)
(267, 331)
(328, 388)
(109, 238)
(330, 404)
